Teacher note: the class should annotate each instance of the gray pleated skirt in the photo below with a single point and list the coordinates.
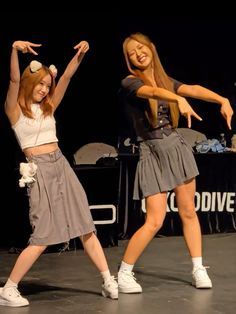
(59, 209)
(163, 164)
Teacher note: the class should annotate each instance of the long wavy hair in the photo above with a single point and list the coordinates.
(28, 82)
(161, 78)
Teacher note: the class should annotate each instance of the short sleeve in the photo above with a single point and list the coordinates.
(176, 84)
(131, 85)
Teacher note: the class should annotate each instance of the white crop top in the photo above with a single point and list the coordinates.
(37, 131)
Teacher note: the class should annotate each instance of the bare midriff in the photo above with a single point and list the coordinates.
(41, 149)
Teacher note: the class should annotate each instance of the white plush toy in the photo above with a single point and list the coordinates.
(27, 170)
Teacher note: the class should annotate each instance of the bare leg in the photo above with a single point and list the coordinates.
(192, 232)
(191, 228)
(95, 251)
(25, 261)
(156, 211)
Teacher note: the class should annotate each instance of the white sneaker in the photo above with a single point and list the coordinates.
(10, 296)
(110, 288)
(200, 278)
(127, 283)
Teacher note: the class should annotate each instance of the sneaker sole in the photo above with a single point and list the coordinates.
(125, 290)
(7, 303)
(204, 285)
(108, 295)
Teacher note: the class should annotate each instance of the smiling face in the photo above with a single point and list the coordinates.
(139, 54)
(42, 89)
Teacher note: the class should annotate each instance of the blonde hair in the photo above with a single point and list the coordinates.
(161, 78)
(28, 82)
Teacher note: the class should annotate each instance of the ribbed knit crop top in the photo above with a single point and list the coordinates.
(37, 131)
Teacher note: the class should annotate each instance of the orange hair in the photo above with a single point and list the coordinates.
(161, 78)
(28, 82)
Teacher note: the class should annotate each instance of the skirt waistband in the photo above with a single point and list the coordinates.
(48, 157)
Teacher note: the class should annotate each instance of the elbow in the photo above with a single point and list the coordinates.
(15, 80)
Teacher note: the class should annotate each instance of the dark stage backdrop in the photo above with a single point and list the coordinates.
(192, 50)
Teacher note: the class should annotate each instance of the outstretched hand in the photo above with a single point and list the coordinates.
(82, 47)
(25, 46)
(227, 111)
(187, 111)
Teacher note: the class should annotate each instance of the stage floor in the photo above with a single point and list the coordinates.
(69, 283)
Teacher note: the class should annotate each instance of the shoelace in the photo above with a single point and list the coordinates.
(130, 276)
(200, 272)
(13, 292)
(201, 267)
(112, 281)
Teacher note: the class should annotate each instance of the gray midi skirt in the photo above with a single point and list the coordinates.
(163, 164)
(58, 205)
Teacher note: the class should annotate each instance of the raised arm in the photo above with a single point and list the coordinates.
(11, 107)
(71, 68)
(202, 93)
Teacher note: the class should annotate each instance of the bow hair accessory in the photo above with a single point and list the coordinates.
(35, 66)
(53, 69)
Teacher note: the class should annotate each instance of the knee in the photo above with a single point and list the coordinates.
(154, 226)
(188, 214)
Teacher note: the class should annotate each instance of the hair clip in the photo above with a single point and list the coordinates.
(53, 69)
(35, 66)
